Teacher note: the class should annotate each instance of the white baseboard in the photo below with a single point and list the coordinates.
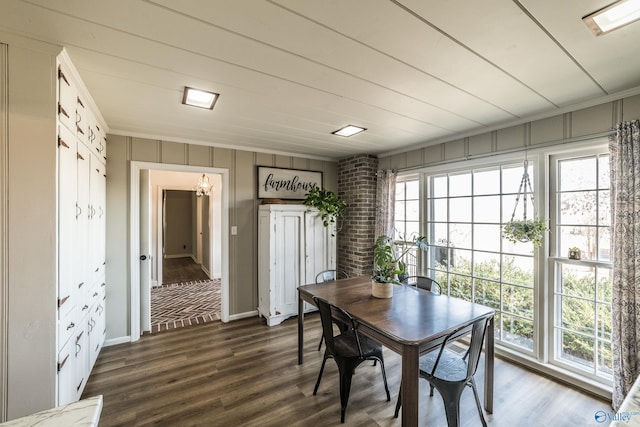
(243, 315)
(116, 341)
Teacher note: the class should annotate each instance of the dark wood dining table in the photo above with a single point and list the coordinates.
(411, 323)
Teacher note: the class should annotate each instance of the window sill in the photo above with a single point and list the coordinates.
(587, 385)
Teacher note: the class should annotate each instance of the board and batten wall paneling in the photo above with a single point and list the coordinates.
(579, 124)
(243, 202)
(119, 151)
(4, 107)
(31, 247)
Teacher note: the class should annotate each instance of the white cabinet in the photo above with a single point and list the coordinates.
(81, 235)
(293, 247)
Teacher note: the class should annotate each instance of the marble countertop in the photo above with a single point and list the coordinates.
(84, 413)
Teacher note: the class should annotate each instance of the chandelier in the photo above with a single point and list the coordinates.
(203, 187)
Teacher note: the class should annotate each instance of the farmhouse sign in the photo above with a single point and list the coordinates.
(286, 183)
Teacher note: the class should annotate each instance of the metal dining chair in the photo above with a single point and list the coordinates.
(330, 276)
(450, 372)
(424, 282)
(349, 349)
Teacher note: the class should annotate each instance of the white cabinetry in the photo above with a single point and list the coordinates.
(293, 247)
(81, 235)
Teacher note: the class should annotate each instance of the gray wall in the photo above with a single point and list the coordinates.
(179, 237)
(576, 125)
(243, 202)
(29, 231)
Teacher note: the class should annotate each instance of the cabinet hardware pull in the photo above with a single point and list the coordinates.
(80, 156)
(79, 336)
(80, 102)
(62, 300)
(79, 385)
(62, 111)
(61, 364)
(71, 326)
(79, 129)
(103, 284)
(61, 142)
(97, 268)
(85, 307)
(81, 284)
(78, 211)
(62, 76)
(95, 294)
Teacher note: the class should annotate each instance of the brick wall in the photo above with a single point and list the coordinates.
(357, 187)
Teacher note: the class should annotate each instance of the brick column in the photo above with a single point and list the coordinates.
(357, 187)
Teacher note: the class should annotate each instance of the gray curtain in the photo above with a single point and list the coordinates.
(385, 202)
(624, 153)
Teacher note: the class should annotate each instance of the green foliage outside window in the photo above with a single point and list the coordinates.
(513, 299)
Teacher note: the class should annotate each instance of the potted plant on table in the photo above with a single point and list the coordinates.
(388, 264)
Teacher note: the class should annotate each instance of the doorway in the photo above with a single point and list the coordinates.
(208, 247)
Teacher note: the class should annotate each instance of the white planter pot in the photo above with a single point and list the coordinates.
(381, 290)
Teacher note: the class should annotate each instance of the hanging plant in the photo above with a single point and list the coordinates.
(525, 230)
(331, 207)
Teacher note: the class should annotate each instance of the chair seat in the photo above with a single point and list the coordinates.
(450, 368)
(346, 346)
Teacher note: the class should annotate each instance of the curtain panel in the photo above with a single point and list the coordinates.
(385, 202)
(624, 152)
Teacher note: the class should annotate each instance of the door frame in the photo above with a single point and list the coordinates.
(134, 236)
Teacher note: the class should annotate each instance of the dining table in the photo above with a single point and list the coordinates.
(411, 323)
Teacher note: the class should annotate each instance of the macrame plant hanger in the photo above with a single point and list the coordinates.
(525, 191)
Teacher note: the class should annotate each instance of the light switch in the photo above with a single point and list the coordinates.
(234, 230)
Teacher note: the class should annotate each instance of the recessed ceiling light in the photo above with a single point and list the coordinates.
(199, 98)
(348, 130)
(614, 16)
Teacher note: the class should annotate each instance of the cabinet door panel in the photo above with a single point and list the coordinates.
(67, 95)
(67, 212)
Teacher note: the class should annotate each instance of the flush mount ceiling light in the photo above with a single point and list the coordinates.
(348, 130)
(614, 16)
(203, 187)
(199, 98)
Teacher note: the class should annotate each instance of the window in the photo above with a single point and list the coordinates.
(550, 308)
(468, 256)
(582, 291)
(407, 217)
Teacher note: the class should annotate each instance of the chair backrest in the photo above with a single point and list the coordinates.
(331, 275)
(424, 282)
(475, 346)
(477, 329)
(326, 317)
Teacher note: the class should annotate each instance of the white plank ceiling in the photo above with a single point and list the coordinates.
(289, 72)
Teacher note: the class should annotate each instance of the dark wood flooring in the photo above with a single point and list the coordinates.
(244, 373)
(178, 270)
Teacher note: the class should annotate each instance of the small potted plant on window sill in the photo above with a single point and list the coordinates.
(388, 264)
(525, 230)
(330, 206)
(575, 253)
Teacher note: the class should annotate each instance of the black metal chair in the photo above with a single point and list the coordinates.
(424, 282)
(330, 276)
(348, 349)
(450, 372)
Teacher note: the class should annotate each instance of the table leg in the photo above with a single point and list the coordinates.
(300, 329)
(410, 367)
(488, 367)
